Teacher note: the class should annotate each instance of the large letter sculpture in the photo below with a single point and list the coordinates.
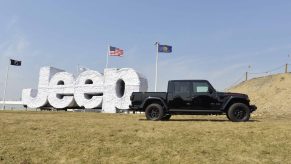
(35, 98)
(90, 90)
(118, 86)
(61, 88)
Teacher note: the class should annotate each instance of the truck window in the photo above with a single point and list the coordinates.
(200, 87)
(182, 88)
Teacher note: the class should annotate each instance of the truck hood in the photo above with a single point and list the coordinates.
(228, 94)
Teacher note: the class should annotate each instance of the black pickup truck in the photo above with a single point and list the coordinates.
(191, 97)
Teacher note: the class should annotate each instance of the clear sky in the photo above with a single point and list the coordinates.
(214, 40)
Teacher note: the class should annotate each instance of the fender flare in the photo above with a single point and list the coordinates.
(154, 98)
(225, 105)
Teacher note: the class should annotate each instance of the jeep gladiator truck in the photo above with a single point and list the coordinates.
(192, 97)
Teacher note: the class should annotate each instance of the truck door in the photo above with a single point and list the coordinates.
(202, 98)
(181, 95)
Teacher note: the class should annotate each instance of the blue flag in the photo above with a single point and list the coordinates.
(165, 48)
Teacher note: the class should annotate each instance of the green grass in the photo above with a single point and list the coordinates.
(64, 137)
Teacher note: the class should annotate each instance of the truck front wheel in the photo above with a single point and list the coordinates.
(238, 112)
(154, 112)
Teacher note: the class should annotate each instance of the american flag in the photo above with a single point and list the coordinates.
(114, 51)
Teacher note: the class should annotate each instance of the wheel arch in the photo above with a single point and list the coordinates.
(152, 100)
(233, 100)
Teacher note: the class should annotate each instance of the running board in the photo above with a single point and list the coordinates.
(196, 111)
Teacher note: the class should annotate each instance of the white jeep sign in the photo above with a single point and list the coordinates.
(90, 90)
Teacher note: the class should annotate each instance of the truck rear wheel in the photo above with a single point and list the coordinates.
(154, 112)
(238, 112)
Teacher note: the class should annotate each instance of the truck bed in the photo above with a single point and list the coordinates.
(138, 97)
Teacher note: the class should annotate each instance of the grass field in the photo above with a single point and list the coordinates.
(64, 137)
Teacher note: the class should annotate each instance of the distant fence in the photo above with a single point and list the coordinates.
(250, 75)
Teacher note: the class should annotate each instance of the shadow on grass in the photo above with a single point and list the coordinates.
(198, 120)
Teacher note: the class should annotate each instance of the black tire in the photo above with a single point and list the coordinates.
(166, 117)
(238, 112)
(227, 116)
(154, 112)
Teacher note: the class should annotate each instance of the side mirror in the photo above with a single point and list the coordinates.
(210, 90)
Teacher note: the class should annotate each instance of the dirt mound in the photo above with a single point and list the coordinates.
(271, 94)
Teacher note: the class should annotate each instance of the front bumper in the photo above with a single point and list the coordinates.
(253, 108)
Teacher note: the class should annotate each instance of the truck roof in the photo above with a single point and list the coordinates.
(188, 80)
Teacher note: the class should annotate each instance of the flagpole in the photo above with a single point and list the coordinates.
(157, 58)
(5, 87)
(107, 57)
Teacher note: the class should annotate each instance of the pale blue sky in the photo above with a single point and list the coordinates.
(214, 40)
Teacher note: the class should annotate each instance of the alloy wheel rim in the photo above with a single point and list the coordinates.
(154, 113)
(239, 113)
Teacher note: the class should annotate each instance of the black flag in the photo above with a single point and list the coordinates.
(15, 62)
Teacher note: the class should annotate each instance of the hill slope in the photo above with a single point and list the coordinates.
(271, 94)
